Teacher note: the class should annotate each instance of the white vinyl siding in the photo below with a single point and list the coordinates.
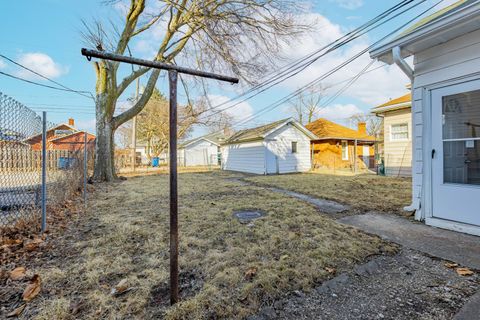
(397, 153)
(251, 157)
(280, 143)
(245, 157)
(455, 60)
(199, 153)
(344, 150)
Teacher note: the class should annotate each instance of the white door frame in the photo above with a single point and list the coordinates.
(426, 197)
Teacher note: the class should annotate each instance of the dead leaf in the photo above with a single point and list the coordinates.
(32, 289)
(250, 273)
(17, 273)
(33, 245)
(120, 288)
(18, 311)
(451, 265)
(330, 270)
(464, 271)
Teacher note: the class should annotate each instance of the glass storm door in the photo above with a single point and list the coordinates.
(456, 152)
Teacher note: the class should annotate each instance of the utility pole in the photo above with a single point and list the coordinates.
(173, 71)
(134, 130)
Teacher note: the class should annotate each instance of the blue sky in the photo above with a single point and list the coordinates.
(45, 35)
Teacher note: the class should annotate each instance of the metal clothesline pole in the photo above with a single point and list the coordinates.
(173, 71)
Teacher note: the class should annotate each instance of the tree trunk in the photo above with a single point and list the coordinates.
(104, 150)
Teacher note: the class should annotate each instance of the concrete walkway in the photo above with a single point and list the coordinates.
(449, 245)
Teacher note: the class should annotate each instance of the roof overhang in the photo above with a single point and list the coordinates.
(297, 125)
(345, 139)
(398, 106)
(196, 140)
(438, 31)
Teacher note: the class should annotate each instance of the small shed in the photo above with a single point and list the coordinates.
(445, 113)
(339, 147)
(201, 151)
(278, 147)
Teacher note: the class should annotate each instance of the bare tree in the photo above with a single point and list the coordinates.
(374, 124)
(306, 105)
(241, 37)
(153, 124)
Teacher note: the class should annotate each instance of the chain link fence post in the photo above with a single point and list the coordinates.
(44, 171)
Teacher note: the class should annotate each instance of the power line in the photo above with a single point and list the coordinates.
(315, 81)
(82, 93)
(308, 63)
(301, 64)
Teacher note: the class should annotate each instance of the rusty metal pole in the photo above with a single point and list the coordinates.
(173, 71)
(172, 79)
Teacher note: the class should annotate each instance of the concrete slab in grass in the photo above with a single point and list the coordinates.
(449, 245)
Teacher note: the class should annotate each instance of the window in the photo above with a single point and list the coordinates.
(399, 132)
(344, 150)
(294, 147)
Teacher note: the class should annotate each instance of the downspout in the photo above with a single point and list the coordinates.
(401, 63)
(405, 67)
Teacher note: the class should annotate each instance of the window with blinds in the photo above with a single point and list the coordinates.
(399, 132)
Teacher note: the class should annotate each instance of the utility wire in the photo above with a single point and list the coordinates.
(299, 65)
(304, 66)
(315, 81)
(65, 88)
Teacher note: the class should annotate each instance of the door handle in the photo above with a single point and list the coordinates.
(433, 153)
(468, 161)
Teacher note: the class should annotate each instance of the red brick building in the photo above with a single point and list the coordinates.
(62, 137)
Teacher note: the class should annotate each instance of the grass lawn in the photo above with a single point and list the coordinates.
(228, 269)
(362, 192)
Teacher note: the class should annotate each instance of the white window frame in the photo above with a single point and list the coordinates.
(345, 148)
(296, 146)
(399, 124)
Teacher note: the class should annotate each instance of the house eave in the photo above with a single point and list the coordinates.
(398, 106)
(434, 33)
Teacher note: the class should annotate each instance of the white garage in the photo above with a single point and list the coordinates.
(279, 147)
(201, 151)
(445, 114)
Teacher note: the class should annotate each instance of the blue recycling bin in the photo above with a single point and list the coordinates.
(155, 161)
(63, 162)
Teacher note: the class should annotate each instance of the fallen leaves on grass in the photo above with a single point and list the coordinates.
(33, 245)
(250, 273)
(330, 270)
(451, 265)
(17, 312)
(32, 289)
(121, 288)
(17, 273)
(464, 271)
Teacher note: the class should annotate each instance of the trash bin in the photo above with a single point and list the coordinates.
(63, 163)
(155, 161)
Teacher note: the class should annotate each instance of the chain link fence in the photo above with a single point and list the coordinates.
(21, 162)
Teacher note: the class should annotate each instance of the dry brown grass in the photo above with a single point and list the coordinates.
(363, 192)
(128, 238)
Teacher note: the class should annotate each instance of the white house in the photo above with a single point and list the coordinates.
(397, 135)
(279, 147)
(445, 114)
(201, 151)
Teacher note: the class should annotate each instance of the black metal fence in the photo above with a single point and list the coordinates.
(22, 196)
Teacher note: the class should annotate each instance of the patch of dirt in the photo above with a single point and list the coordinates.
(409, 285)
(191, 282)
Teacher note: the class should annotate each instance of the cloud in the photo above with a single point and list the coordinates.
(349, 4)
(372, 88)
(41, 63)
(240, 111)
(2, 64)
(339, 111)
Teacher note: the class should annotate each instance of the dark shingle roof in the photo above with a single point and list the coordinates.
(256, 133)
